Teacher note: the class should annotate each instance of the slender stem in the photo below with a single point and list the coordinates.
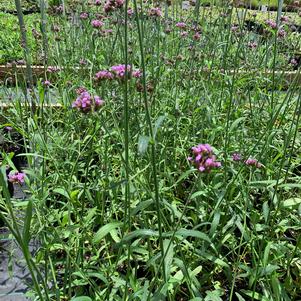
(151, 134)
(24, 43)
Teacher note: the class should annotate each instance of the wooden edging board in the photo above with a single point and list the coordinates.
(39, 72)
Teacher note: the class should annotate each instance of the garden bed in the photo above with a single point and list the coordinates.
(163, 153)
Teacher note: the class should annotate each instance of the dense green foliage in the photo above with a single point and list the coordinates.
(118, 209)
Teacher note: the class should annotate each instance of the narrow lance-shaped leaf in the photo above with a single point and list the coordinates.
(27, 223)
(105, 230)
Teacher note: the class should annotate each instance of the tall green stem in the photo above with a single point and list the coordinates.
(152, 137)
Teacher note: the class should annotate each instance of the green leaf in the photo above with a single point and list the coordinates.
(143, 144)
(269, 269)
(139, 233)
(27, 222)
(213, 295)
(197, 193)
(215, 222)
(292, 202)
(254, 295)
(193, 233)
(105, 230)
(81, 298)
(62, 192)
(168, 248)
(141, 206)
(3, 184)
(235, 124)
(265, 210)
(239, 297)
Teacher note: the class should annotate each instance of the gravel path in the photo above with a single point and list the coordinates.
(13, 272)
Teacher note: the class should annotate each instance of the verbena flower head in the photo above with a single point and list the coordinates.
(84, 16)
(197, 36)
(272, 24)
(97, 2)
(80, 90)
(236, 157)
(203, 158)
(46, 83)
(103, 74)
(16, 177)
(284, 19)
(184, 34)
(155, 12)
(137, 73)
(130, 11)
(85, 102)
(293, 62)
(253, 162)
(111, 5)
(97, 23)
(181, 25)
(8, 129)
(119, 70)
(281, 33)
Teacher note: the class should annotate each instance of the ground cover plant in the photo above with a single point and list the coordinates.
(155, 169)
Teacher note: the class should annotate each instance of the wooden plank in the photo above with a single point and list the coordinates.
(39, 71)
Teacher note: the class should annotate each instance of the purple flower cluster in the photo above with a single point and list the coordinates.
(46, 83)
(84, 16)
(118, 72)
(271, 23)
(85, 102)
(203, 158)
(112, 5)
(104, 74)
(236, 157)
(253, 162)
(97, 23)
(197, 36)
(281, 33)
(16, 177)
(181, 25)
(155, 12)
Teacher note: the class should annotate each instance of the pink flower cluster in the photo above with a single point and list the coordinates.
(249, 162)
(16, 177)
(271, 23)
(112, 5)
(84, 16)
(203, 158)
(97, 23)
(253, 162)
(85, 102)
(118, 72)
(281, 33)
(104, 74)
(155, 12)
(181, 25)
